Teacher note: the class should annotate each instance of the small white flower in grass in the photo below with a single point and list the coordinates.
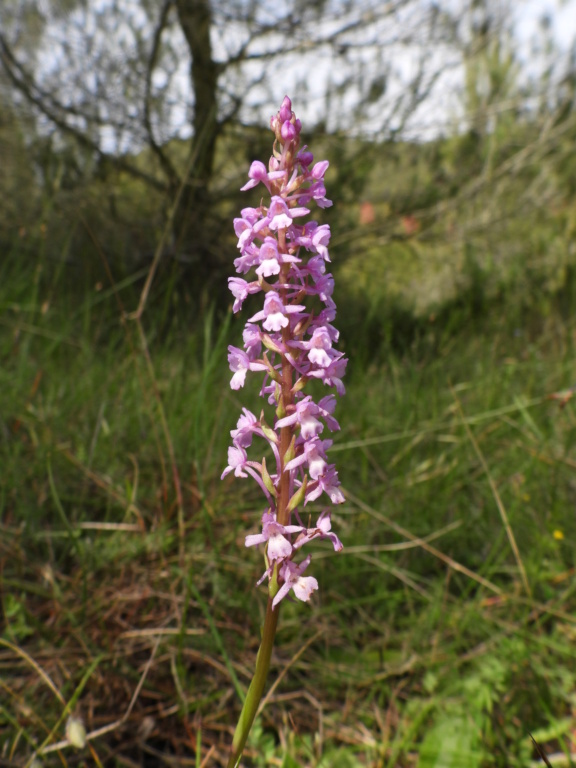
(76, 732)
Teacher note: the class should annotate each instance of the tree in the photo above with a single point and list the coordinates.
(120, 76)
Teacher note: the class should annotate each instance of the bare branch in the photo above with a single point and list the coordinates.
(24, 82)
(169, 169)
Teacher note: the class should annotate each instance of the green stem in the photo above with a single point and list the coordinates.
(256, 689)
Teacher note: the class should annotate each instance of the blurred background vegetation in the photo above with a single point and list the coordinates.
(444, 634)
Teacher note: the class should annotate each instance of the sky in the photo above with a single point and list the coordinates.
(440, 113)
(443, 111)
(561, 14)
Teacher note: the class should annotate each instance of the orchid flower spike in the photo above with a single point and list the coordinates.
(290, 339)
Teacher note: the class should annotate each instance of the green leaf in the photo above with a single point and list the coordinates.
(450, 743)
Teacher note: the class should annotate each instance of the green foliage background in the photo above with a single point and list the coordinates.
(444, 633)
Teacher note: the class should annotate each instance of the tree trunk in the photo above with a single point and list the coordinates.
(192, 218)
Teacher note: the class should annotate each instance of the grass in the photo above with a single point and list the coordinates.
(442, 635)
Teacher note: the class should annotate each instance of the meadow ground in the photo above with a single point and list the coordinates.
(443, 634)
